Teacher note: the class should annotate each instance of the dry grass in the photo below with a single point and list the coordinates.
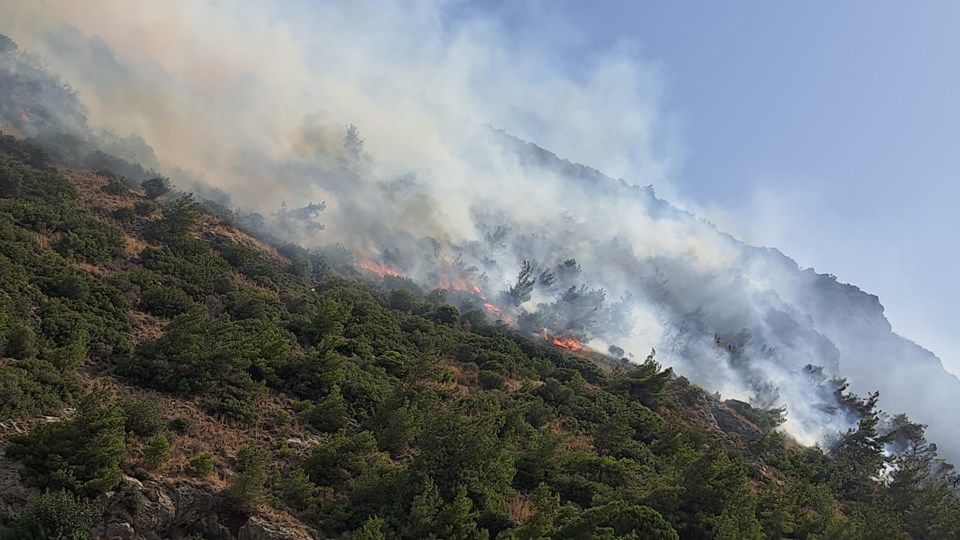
(93, 269)
(132, 246)
(206, 433)
(213, 225)
(90, 186)
(572, 439)
(247, 282)
(145, 326)
(519, 508)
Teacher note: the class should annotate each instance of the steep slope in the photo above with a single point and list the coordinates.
(185, 378)
(643, 274)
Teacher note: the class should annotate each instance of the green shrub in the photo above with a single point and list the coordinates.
(297, 491)
(143, 417)
(491, 380)
(81, 453)
(179, 425)
(156, 452)
(124, 214)
(165, 301)
(55, 515)
(246, 491)
(200, 465)
(155, 187)
(144, 208)
(32, 386)
(21, 341)
(115, 187)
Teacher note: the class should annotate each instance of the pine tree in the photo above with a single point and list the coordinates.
(82, 453)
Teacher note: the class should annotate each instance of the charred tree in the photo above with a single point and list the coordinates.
(520, 292)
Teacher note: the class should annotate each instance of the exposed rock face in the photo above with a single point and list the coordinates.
(14, 494)
(152, 510)
(258, 528)
(156, 509)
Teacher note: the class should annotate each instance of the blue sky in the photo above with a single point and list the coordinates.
(826, 129)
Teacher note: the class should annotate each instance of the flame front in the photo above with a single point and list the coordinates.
(451, 276)
(454, 277)
(380, 269)
(492, 309)
(563, 341)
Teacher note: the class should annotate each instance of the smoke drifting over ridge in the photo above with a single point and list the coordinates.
(253, 100)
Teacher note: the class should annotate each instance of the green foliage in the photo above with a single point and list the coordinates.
(860, 451)
(156, 451)
(646, 383)
(88, 239)
(55, 514)
(115, 186)
(30, 387)
(330, 413)
(396, 424)
(341, 458)
(372, 529)
(200, 465)
(144, 208)
(246, 491)
(143, 417)
(217, 356)
(70, 356)
(297, 491)
(165, 301)
(619, 519)
(124, 214)
(177, 220)
(466, 451)
(81, 453)
(448, 315)
(155, 187)
(491, 380)
(20, 342)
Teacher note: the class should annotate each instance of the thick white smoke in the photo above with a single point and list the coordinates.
(252, 97)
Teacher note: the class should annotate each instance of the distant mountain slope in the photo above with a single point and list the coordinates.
(806, 316)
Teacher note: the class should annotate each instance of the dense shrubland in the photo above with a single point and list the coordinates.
(429, 421)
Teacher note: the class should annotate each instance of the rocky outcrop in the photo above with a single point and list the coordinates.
(163, 508)
(14, 494)
(260, 528)
(152, 510)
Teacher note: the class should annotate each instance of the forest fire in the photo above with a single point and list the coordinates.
(496, 312)
(453, 276)
(459, 285)
(565, 342)
(381, 269)
(24, 117)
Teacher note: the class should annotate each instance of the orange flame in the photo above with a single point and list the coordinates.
(454, 277)
(458, 284)
(380, 269)
(491, 309)
(24, 117)
(563, 341)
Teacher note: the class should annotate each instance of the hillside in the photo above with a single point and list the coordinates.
(176, 377)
